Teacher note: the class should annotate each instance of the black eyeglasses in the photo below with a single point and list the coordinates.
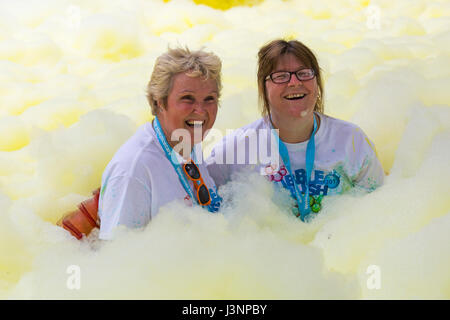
(285, 76)
(193, 173)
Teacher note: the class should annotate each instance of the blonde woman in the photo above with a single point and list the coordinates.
(153, 168)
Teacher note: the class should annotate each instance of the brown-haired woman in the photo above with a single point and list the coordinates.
(316, 155)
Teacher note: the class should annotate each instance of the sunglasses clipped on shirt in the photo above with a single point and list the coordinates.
(193, 173)
(285, 76)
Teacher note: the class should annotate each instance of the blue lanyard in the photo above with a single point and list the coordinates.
(302, 200)
(171, 155)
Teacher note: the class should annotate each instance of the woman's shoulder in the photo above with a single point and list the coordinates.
(260, 123)
(338, 124)
(235, 136)
(348, 135)
(253, 127)
(340, 129)
(136, 153)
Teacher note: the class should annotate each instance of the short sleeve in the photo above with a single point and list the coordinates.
(371, 174)
(123, 201)
(217, 169)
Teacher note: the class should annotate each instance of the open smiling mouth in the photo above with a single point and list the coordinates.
(194, 123)
(296, 96)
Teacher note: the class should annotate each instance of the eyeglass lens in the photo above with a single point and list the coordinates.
(192, 171)
(285, 76)
(203, 194)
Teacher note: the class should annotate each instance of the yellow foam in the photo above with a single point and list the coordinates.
(73, 93)
(227, 4)
(14, 134)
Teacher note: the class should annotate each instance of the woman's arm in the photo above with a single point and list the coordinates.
(371, 173)
(216, 164)
(123, 201)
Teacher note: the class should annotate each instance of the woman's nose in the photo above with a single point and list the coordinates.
(199, 107)
(294, 81)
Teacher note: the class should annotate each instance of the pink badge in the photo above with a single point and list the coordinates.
(187, 201)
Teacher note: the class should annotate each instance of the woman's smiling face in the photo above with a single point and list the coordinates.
(191, 104)
(294, 99)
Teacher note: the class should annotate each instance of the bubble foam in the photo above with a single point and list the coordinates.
(73, 90)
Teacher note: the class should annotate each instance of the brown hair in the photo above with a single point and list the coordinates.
(194, 63)
(267, 59)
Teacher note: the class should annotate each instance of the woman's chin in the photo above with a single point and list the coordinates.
(300, 113)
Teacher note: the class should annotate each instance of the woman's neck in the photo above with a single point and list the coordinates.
(183, 149)
(295, 130)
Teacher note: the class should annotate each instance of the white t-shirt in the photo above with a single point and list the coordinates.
(139, 180)
(344, 158)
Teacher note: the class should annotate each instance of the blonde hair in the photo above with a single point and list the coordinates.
(268, 57)
(193, 63)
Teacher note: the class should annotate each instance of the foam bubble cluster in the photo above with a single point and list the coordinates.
(73, 78)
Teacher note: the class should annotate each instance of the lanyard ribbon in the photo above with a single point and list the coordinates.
(302, 199)
(172, 156)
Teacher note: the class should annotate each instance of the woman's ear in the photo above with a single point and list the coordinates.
(159, 105)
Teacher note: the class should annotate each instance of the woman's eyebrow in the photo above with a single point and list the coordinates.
(189, 91)
(299, 68)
